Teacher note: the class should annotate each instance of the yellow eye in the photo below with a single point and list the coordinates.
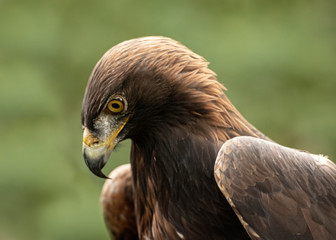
(116, 105)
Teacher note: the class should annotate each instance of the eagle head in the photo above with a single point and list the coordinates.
(141, 87)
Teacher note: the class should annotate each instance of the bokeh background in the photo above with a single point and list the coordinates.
(277, 59)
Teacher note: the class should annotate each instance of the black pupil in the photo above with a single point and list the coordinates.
(115, 105)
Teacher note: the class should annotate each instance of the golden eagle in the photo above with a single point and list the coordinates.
(198, 169)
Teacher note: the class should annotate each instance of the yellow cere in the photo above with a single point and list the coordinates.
(88, 139)
(94, 143)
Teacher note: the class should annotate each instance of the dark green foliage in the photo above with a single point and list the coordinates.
(277, 60)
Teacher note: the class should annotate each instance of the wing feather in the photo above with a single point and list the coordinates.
(118, 204)
(278, 192)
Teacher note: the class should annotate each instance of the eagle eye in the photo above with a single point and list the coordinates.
(116, 105)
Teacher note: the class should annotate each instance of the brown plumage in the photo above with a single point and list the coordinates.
(278, 192)
(163, 96)
(118, 204)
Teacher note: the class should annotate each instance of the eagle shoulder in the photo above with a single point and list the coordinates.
(278, 192)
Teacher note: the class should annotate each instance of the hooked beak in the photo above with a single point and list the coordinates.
(96, 152)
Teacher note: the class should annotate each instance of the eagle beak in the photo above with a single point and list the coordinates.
(96, 152)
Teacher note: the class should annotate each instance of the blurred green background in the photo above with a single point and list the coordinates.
(277, 59)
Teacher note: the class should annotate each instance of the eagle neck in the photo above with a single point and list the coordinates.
(167, 173)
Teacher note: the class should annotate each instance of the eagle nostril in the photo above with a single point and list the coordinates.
(89, 139)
